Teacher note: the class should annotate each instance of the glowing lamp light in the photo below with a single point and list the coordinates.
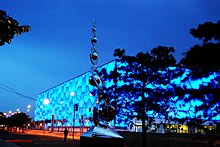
(28, 106)
(72, 93)
(46, 101)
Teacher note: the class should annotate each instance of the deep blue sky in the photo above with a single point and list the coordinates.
(57, 48)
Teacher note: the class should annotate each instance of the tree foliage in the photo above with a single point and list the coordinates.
(207, 31)
(9, 27)
(143, 85)
(204, 58)
(2, 118)
(203, 62)
(144, 77)
(17, 120)
(20, 119)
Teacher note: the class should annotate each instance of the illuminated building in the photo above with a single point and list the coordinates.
(60, 101)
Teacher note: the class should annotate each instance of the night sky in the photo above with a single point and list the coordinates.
(57, 47)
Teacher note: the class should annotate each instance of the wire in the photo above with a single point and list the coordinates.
(11, 90)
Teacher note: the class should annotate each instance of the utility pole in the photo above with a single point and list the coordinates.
(74, 112)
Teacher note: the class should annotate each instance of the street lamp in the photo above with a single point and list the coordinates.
(72, 94)
(75, 108)
(28, 108)
(46, 101)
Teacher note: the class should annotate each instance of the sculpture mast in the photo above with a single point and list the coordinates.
(103, 111)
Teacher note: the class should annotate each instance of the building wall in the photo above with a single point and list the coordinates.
(61, 103)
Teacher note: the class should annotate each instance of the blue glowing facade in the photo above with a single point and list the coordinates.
(63, 97)
(61, 100)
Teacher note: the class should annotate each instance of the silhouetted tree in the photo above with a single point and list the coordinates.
(203, 61)
(2, 118)
(18, 120)
(146, 83)
(10, 27)
(207, 31)
(9, 123)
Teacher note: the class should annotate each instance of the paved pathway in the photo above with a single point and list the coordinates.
(43, 138)
(9, 139)
(54, 134)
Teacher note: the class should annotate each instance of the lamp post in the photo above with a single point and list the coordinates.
(73, 126)
(75, 108)
(28, 109)
(47, 102)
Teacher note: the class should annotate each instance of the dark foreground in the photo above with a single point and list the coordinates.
(25, 140)
(131, 139)
(171, 140)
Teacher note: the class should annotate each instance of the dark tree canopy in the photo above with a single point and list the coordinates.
(143, 76)
(203, 60)
(9, 27)
(2, 118)
(20, 119)
(147, 85)
(205, 57)
(17, 120)
(207, 31)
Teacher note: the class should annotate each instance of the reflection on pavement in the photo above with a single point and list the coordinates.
(60, 134)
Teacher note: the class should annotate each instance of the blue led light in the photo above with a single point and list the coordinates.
(61, 102)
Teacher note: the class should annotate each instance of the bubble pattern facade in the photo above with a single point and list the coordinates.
(61, 103)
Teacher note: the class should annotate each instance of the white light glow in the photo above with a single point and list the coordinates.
(72, 93)
(46, 101)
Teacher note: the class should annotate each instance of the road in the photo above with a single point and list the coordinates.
(43, 138)
(36, 138)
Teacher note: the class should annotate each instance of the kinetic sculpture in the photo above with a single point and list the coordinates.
(103, 112)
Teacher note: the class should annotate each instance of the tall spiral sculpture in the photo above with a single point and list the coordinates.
(103, 111)
(100, 134)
